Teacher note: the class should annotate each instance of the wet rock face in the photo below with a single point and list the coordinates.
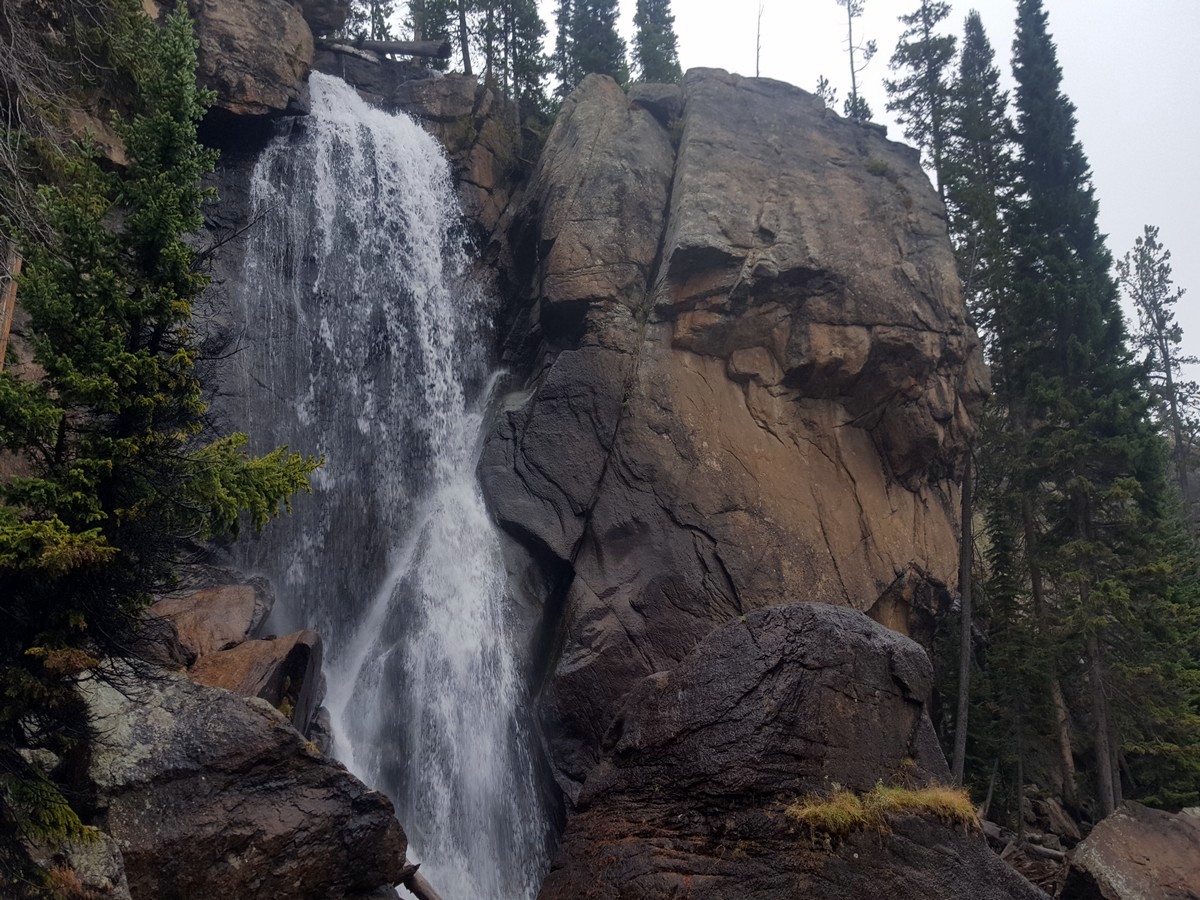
(211, 795)
(701, 761)
(1137, 853)
(752, 381)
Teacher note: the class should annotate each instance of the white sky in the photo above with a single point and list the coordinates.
(1125, 66)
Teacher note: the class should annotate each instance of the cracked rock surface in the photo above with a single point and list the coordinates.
(700, 763)
(751, 381)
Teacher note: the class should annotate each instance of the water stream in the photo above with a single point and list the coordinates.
(364, 340)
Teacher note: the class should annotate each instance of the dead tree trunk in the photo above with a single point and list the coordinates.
(965, 561)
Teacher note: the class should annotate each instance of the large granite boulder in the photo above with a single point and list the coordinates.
(751, 378)
(256, 55)
(701, 762)
(1137, 853)
(208, 794)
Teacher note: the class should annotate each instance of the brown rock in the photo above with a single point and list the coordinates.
(286, 672)
(256, 54)
(753, 380)
(701, 761)
(211, 619)
(212, 795)
(1137, 853)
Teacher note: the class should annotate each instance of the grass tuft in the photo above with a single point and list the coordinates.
(845, 812)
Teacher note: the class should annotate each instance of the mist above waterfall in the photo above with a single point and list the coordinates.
(365, 340)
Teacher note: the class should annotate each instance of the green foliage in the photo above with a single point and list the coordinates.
(372, 19)
(118, 476)
(655, 50)
(595, 46)
(921, 97)
(1087, 584)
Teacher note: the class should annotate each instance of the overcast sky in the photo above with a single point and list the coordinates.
(1127, 65)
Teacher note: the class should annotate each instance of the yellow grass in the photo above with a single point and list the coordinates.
(844, 812)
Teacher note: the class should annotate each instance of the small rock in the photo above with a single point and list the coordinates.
(285, 671)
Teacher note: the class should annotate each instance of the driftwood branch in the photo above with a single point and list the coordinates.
(433, 49)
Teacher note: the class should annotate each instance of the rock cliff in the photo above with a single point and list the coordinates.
(751, 380)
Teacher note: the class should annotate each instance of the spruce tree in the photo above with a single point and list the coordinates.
(921, 97)
(1088, 465)
(595, 45)
(1145, 275)
(978, 170)
(119, 476)
(563, 60)
(655, 48)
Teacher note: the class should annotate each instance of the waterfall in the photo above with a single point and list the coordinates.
(365, 340)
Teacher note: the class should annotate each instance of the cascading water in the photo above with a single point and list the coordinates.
(364, 341)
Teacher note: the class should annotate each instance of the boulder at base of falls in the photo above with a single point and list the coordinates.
(700, 765)
(211, 795)
(1137, 853)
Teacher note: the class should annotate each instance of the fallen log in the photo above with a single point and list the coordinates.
(433, 49)
(416, 884)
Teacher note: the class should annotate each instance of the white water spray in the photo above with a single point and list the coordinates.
(363, 341)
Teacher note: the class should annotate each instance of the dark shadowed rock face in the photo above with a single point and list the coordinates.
(1137, 853)
(753, 380)
(700, 762)
(211, 795)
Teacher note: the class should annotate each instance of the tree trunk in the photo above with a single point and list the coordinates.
(434, 49)
(1066, 757)
(464, 37)
(1020, 779)
(8, 302)
(1104, 772)
(965, 560)
(1062, 724)
(1114, 760)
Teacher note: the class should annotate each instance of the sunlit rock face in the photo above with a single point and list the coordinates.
(754, 379)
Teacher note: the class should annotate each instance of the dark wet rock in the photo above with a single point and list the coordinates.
(208, 794)
(700, 763)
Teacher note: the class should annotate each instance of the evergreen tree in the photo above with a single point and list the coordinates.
(978, 171)
(595, 45)
(921, 97)
(527, 59)
(118, 478)
(856, 107)
(371, 19)
(1145, 274)
(654, 45)
(563, 61)
(1088, 466)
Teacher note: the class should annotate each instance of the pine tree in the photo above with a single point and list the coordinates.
(563, 61)
(979, 173)
(370, 20)
(1088, 465)
(655, 48)
(595, 45)
(119, 477)
(921, 97)
(1145, 274)
(856, 107)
